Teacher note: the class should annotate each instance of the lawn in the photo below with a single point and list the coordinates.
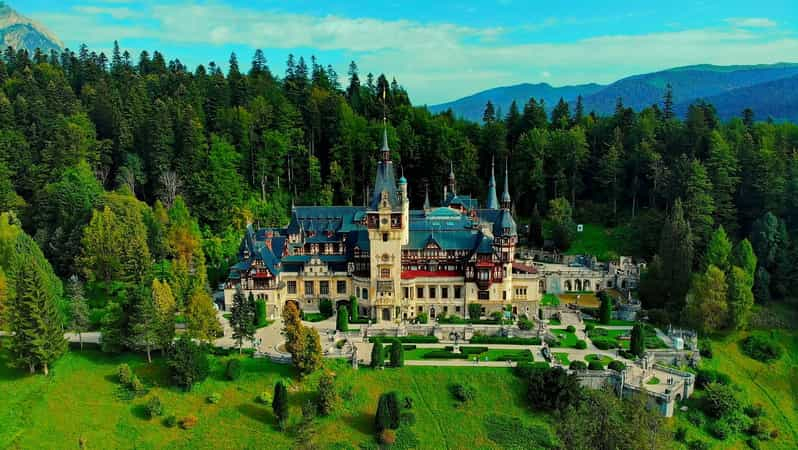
(774, 385)
(603, 359)
(550, 300)
(605, 244)
(562, 358)
(613, 323)
(567, 339)
(80, 400)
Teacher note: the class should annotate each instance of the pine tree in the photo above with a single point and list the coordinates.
(707, 304)
(743, 257)
(719, 250)
(280, 404)
(146, 326)
(699, 206)
(328, 395)
(241, 321)
(79, 309)
(676, 255)
(37, 330)
(605, 308)
(609, 169)
(165, 307)
(667, 109)
(354, 312)
(741, 297)
(489, 116)
(561, 115)
(722, 166)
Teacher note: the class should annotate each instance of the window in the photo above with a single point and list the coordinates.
(504, 295)
(420, 292)
(340, 287)
(444, 292)
(384, 237)
(432, 292)
(457, 309)
(457, 292)
(483, 295)
(364, 294)
(308, 288)
(385, 273)
(292, 287)
(483, 275)
(324, 288)
(445, 309)
(420, 308)
(407, 292)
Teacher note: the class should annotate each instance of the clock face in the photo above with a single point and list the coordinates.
(384, 221)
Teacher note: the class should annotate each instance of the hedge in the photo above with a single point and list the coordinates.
(443, 354)
(505, 340)
(409, 347)
(704, 377)
(617, 366)
(761, 348)
(521, 356)
(605, 343)
(405, 339)
(578, 365)
(595, 365)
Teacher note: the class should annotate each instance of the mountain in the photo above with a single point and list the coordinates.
(20, 32)
(472, 107)
(735, 86)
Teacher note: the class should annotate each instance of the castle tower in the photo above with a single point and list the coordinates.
(452, 181)
(506, 200)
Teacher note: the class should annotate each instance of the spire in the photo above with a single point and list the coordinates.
(452, 181)
(506, 200)
(426, 198)
(493, 201)
(386, 151)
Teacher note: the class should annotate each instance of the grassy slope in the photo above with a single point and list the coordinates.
(598, 241)
(80, 400)
(773, 385)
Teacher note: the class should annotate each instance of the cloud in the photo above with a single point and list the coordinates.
(115, 12)
(435, 61)
(751, 22)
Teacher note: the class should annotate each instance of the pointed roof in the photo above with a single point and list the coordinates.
(386, 178)
(493, 200)
(506, 200)
(426, 199)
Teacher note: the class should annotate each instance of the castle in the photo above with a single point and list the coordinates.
(398, 262)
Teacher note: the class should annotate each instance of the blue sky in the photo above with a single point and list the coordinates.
(441, 50)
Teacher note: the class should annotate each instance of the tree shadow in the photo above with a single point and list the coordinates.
(259, 413)
(362, 422)
(140, 412)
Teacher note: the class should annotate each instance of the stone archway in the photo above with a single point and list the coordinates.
(568, 286)
(586, 285)
(578, 285)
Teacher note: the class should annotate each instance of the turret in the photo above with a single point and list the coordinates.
(506, 200)
(452, 181)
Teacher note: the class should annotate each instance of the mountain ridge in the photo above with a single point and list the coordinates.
(21, 32)
(690, 83)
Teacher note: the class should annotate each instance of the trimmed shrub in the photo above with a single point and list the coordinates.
(463, 392)
(473, 350)
(570, 329)
(474, 311)
(170, 421)
(422, 318)
(233, 370)
(328, 396)
(617, 366)
(408, 347)
(580, 344)
(397, 355)
(214, 398)
(605, 343)
(589, 327)
(595, 365)
(525, 324)
(761, 348)
(153, 407)
(260, 313)
(377, 355)
(188, 422)
(342, 320)
(578, 365)
(387, 416)
(326, 307)
(412, 339)
(505, 340)
(522, 356)
(124, 374)
(354, 310)
(280, 404)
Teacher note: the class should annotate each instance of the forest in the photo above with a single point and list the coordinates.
(136, 178)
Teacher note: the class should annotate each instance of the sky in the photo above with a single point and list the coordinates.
(440, 50)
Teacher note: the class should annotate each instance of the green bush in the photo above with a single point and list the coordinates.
(397, 355)
(265, 398)
(578, 365)
(761, 348)
(342, 320)
(707, 376)
(407, 419)
(570, 329)
(473, 350)
(136, 385)
(170, 421)
(696, 418)
(124, 374)
(720, 429)
(698, 444)
(260, 313)
(595, 365)
(617, 366)
(462, 392)
(214, 398)
(705, 348)
(453, 319)
(721, 401)
(580, 344)
(326, 307)
(522, 356)
(525, 324)
(187, 362)
(605, 343)
(422, 318)
(443, 354)
(474, 311)
(405, 339)
(627, 354)
(409, 347)
(153, 408)
(754, 411)
(233, 370)
(505, 340)
(589, 327)
(680, 435)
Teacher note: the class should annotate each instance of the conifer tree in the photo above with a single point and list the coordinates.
(718, 252)
(79, 309)
(201, 319)
(37, 329)
(741, 297)
(637, 345)
(165, 307)
(241, 321)
(377, 355)
(342, 319)
(707, 304)
(397, 354)
(605, 309)
(146, 326)
(280, 404)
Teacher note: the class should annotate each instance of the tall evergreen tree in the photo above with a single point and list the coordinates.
(241, 320)
(79, 308)
(280, 404)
